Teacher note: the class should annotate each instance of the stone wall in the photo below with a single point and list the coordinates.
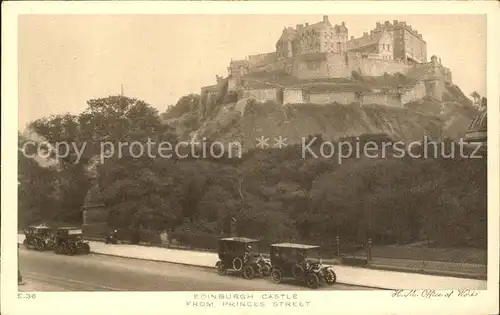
(416, 93)
(262, 95)
(415, 47)
(331, 97)
(382, 99)
(435, 88)
(341, 66)
(311, 67)
(262, 59)
(293, 96)
(377, 67)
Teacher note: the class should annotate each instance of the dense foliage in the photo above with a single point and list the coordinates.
(274, 194)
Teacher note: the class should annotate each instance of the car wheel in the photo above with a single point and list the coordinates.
(276, 275)
(71, 249)
(86, 248)
(237, 264)
(312, 281)
(40, 245)
(265, 270)
(220, 268)
(25, 242)
(330, 277)
(62, 249)
(248, 272)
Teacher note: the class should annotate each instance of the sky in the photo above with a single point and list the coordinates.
(66, 60)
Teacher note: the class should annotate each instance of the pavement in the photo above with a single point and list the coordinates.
(382, 279)
(46, 271)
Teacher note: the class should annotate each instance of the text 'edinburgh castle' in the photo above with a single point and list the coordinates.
(318, 63)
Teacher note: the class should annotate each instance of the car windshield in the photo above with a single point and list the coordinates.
(313, 255)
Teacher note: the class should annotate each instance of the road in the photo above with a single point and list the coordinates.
(46, 271)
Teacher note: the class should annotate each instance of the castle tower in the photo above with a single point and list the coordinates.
(434, 81)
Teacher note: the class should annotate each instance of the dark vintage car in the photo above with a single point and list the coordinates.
(291, 261)
(38, 237)
(69, 241)
(241, 255)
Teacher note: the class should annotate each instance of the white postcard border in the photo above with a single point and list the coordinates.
(345, 302)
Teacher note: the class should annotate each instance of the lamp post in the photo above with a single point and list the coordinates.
(369, 249)
(233, 226)
(338, 246)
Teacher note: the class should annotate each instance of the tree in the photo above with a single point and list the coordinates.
(484, 103)
(186, 104)
(476, 98)
(106, 120)
(38, 198)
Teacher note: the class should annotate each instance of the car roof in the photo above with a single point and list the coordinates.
(292, 245)
(69, 228)
(239, 239)
(40, 226)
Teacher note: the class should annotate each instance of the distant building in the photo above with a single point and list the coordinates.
(478, 131)
(397, 41)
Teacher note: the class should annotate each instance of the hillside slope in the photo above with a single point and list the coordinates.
(246, 120)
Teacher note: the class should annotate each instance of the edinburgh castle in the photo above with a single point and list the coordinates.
(318, 63)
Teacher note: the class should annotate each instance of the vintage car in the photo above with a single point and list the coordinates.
(38, 237)
(241, 255)
(69, 241)
(290, 261)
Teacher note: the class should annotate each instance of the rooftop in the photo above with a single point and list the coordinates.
(365, 40)
(292, 245)
(239, 239)
(477, 131)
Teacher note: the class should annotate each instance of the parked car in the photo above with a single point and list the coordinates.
(38, 237)
(241, 255)
(69, 241)
(291, 261)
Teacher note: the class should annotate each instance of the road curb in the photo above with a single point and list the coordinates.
(213, 268)
(429, 272)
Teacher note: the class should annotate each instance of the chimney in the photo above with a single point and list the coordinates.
(352, 37)
(395, 22)
(387, 23)
(379, 25)
(299, 26)
(307, 24)
(325, 18)
(365, 34)
(343, 23)
(439, 60)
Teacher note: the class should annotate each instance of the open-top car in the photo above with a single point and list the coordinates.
(241, 255)
(291, 261)
(69, 241)
(38, 237)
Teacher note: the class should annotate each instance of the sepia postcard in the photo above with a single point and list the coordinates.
(238, 157)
